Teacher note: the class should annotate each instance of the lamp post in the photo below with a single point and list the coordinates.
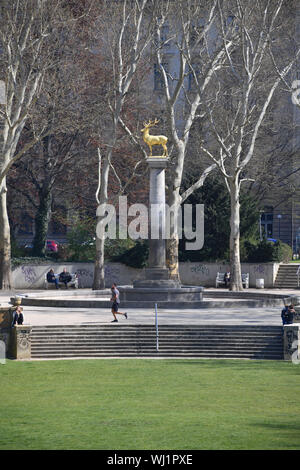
(279, 217)
(260, 227)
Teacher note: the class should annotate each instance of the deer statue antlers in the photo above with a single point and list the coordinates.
(154, 139)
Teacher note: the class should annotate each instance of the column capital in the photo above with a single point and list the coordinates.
(157, 162)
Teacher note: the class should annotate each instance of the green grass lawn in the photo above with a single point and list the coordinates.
(149, 404)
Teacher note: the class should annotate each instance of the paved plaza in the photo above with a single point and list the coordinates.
(37, 315)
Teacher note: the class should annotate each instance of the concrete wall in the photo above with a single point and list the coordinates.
(205, 274)
(33, 276)
(198, 274)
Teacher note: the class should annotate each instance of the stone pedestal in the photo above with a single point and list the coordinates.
(297, 315)
(6, 318)
(20, 342)
(291, 342)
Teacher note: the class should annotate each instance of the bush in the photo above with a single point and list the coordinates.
(135, 257)
(81, 242)
(116, 248)
(265, 251)
(282, 252)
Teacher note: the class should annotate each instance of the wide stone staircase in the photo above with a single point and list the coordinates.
(287, 276)
(186, 341)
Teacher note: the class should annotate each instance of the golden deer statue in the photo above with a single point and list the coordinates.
(154, 139)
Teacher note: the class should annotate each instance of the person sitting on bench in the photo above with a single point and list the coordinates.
(52, 279)
(227, 278)
(65, 277)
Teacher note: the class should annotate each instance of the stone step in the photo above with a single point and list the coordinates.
(174, 341)
(166, 352)
(117, 327)
(130, 345)
(119, 331)
(162, 335)
(286, 277)
(163, 343)
(192, 354)
(47, 340)
(175, 348)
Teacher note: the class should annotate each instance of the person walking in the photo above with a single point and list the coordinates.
(115, 299)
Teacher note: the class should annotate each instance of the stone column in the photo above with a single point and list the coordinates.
(157, 273)
(157, 245)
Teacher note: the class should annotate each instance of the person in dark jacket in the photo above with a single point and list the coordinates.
(284, 315)
(65, 277)
(287, 314)
(290, 316)
(52, 279)
(18, 317)
(227, 279)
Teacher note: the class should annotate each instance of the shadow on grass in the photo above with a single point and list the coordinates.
(280, 426)
(238, 364)
(290, 437)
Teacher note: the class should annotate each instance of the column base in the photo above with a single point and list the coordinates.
(156, 278)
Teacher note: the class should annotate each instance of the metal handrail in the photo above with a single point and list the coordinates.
(298, 274)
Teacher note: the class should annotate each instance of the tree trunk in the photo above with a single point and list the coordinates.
(42, 220)
(235, 263)
(99, 275)
(172, 245)
(5, 249)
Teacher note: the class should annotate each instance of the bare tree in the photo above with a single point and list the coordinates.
(238, 103)
(27, 55)
(186, 30)
(125, 34)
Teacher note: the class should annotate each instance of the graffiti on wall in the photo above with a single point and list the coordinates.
(29, 273)
(259, 269)
(112, 273)
(200, 268)
(85, 277)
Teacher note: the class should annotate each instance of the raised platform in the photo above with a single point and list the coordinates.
(86, 298)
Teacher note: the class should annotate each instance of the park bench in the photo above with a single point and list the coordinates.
(220, 280)
(72, 283)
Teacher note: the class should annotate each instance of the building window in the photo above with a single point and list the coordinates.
(266, 224)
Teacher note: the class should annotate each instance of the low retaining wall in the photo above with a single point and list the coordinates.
(29, 276)
(204, 274)
(196, 274)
